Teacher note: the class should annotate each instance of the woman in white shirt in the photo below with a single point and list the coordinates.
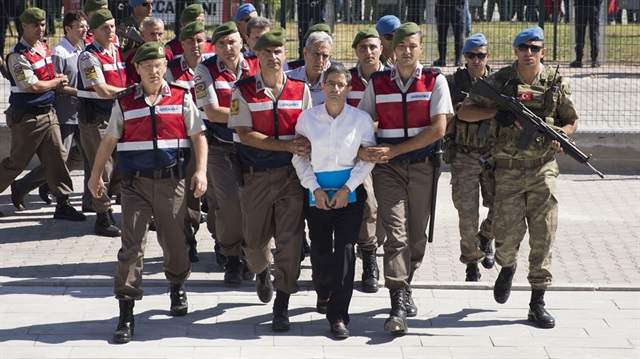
(333, 174)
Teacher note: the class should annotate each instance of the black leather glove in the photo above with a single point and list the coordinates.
(505, 118)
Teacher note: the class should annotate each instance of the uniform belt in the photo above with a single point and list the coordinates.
(157, 174)
(521, 164)
(254, 169)
(410, 161)
(38, 110)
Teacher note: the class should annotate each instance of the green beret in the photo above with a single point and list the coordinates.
(191, 29)
(406, 29)
(100, 17)
(190, 13)
(318, 27)
(274, 37)
(91, 5)
(149, 51)
(363, 34)
(227, 28)
(32, 15)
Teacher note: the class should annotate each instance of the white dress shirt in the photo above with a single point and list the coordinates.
(334, 144)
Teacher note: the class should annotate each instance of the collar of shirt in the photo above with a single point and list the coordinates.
(365, 82)
(104, 51)
(166, 91)
(540, 76)
(325, 115)
(67, 45)
(395, 74)
(33, 49)
(301, 74)
(244, 66)
(260, 83)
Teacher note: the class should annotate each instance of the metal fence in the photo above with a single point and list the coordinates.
(605, 96)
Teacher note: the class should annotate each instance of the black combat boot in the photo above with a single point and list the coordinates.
(410, 305)
(502, 288)
(473, 273)
(178, 295)
(193, 249)
(232, 269)
(126, 322)
(264, 289)
(280, 321)
(104, 227)
(370, 271)
(485, 246)
(64, 210)
(397, 321)
(537, 313)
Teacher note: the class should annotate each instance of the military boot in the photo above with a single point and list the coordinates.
(502, 288)
(410, 305)
(473, 273)
(232, 270)
(370, 271)
(193, 249)
(264, 289)
(126, 322)
(280, 321)
(104, 227)
(485, 246)
(537, 313)
(64, 210)
(178, 295)
(397, 321)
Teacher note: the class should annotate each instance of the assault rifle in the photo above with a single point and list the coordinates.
(533, 124)
(436, 162)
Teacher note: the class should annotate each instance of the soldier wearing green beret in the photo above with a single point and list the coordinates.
(32, 119)
(190, 14)
(214, 80)
(368, 48)
(128, 31)
(264, 110)
(102, 74)
(151, 30)
(153, 174)
(181, 70)
(90, 7)
(525, 178)
(411, 105)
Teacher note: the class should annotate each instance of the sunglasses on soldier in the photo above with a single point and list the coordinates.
(533, 48)
(473, 55)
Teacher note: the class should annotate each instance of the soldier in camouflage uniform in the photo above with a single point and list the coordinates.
(525, 180)
(466, 142)
(142, 9)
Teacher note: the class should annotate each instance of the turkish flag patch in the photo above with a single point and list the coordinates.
(526, 96)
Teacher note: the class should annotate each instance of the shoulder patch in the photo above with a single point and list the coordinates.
(19, 72)
(90, 73)
(201, 90)
(234, 107)
(181, 86)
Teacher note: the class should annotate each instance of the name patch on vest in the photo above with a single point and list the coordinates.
(234, 106)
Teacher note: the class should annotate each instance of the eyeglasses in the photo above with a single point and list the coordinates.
(473, 55)
(147, 4)
(388, 37)
(332, 84)
(151, 67)
(533, 48)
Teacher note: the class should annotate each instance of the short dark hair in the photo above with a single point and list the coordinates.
(71, 16)
(258, 22)
(339, 69)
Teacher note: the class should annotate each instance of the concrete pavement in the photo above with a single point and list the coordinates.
(56, 297)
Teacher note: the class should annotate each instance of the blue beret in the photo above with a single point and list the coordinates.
(134, 3)
(473, 42)
(387, 24)
(533, 33)
(243, 11)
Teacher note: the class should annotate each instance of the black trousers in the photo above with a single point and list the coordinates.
(587, 16)
(333, 235)
(450, 16)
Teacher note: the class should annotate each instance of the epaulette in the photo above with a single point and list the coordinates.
(381, 73)
(180, 86)
(245, 81)
(122, 93)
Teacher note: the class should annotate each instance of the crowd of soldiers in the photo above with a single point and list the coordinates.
(268, 144)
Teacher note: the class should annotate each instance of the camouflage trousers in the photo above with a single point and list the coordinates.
(527, 197)
(468, 181)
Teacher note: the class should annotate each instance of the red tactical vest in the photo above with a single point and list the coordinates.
(42, 69)
(357, 88)
(114, 74)
(181, 75)
(223, 82)
(274, 119)
(402, 116)
(153, 137)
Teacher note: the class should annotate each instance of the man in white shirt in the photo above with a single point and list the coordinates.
(336, 132)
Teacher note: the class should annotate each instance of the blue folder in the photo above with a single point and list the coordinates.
(331, 182)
